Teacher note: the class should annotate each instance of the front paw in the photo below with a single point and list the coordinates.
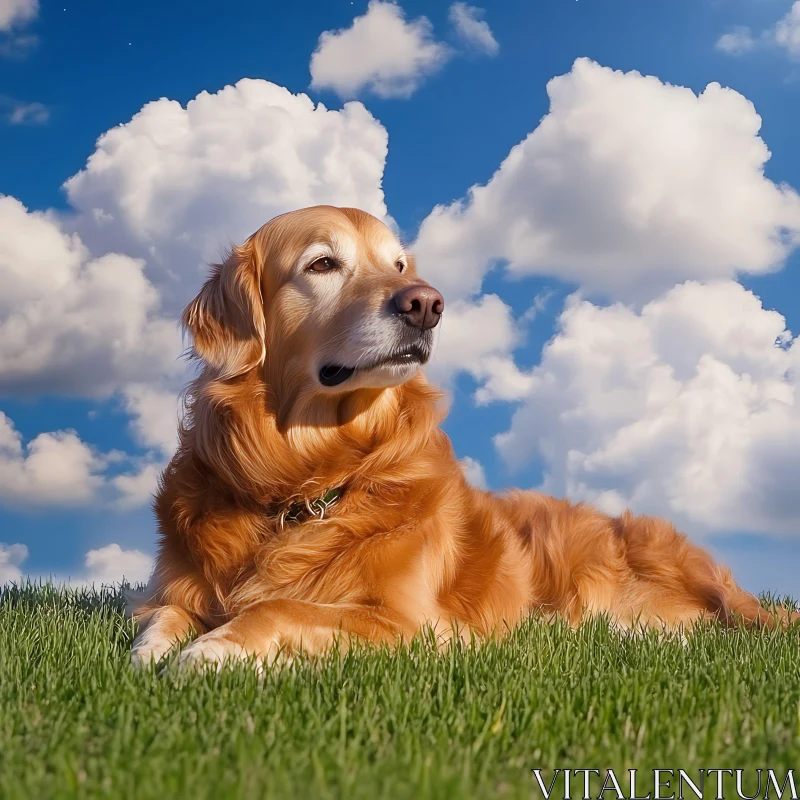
(149, 650)
(210, 651)
(143, 657)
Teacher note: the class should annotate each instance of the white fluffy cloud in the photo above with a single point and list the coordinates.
(473, 470)
(17, 12)
(59, 469)
(155, 414)
(138, 487)
(467, 22)
(380, 52)
(627, 186)
(785, 34)
(70, 323)
(176, 185)
(787, 31)
(111, 564)
(12, 556)
(689, 408)
(103, 566)
(737, 41)
(487, 356)
(53, 469)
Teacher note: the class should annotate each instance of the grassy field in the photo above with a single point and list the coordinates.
(77, 721)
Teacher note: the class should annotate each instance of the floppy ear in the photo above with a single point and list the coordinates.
(226, 319)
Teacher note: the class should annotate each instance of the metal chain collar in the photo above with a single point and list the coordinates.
(305, 509)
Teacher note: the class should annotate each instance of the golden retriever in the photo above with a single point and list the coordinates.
(314, 494)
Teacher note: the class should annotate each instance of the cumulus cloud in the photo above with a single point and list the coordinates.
(17, 12)
(53, 469)
(737, 41)
(380, 52)
(177, 185)
(468, 25)
(487, 357)
(12, 556)
(106, 565)
(138, 487)
(13, 15)
(627, 186)
(59, 469)
(70, 323)
(689, 408)
(155, 413)
(787, 31)
(784, 34)
(111, 564)
(473, 470)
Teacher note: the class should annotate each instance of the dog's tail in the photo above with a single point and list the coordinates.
(752, 612)
(674, 574)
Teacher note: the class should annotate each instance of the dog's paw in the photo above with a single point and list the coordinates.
(147, 650)
(210, 651)
(143, 657)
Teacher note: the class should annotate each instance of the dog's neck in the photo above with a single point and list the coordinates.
(367, 438)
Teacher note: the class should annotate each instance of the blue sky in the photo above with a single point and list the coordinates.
(95, 65)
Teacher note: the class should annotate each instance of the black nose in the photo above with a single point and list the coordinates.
(421, 305)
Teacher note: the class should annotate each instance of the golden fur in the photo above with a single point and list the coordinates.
(410, 542)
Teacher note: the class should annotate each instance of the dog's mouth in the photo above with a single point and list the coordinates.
(336, 374)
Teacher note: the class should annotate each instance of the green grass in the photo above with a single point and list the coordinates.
(77, 721)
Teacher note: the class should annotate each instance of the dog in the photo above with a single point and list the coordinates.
(314, 497)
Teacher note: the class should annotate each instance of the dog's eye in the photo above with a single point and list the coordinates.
(400, 265)
(323, 265)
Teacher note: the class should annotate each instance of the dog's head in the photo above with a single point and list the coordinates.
(324, 299)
